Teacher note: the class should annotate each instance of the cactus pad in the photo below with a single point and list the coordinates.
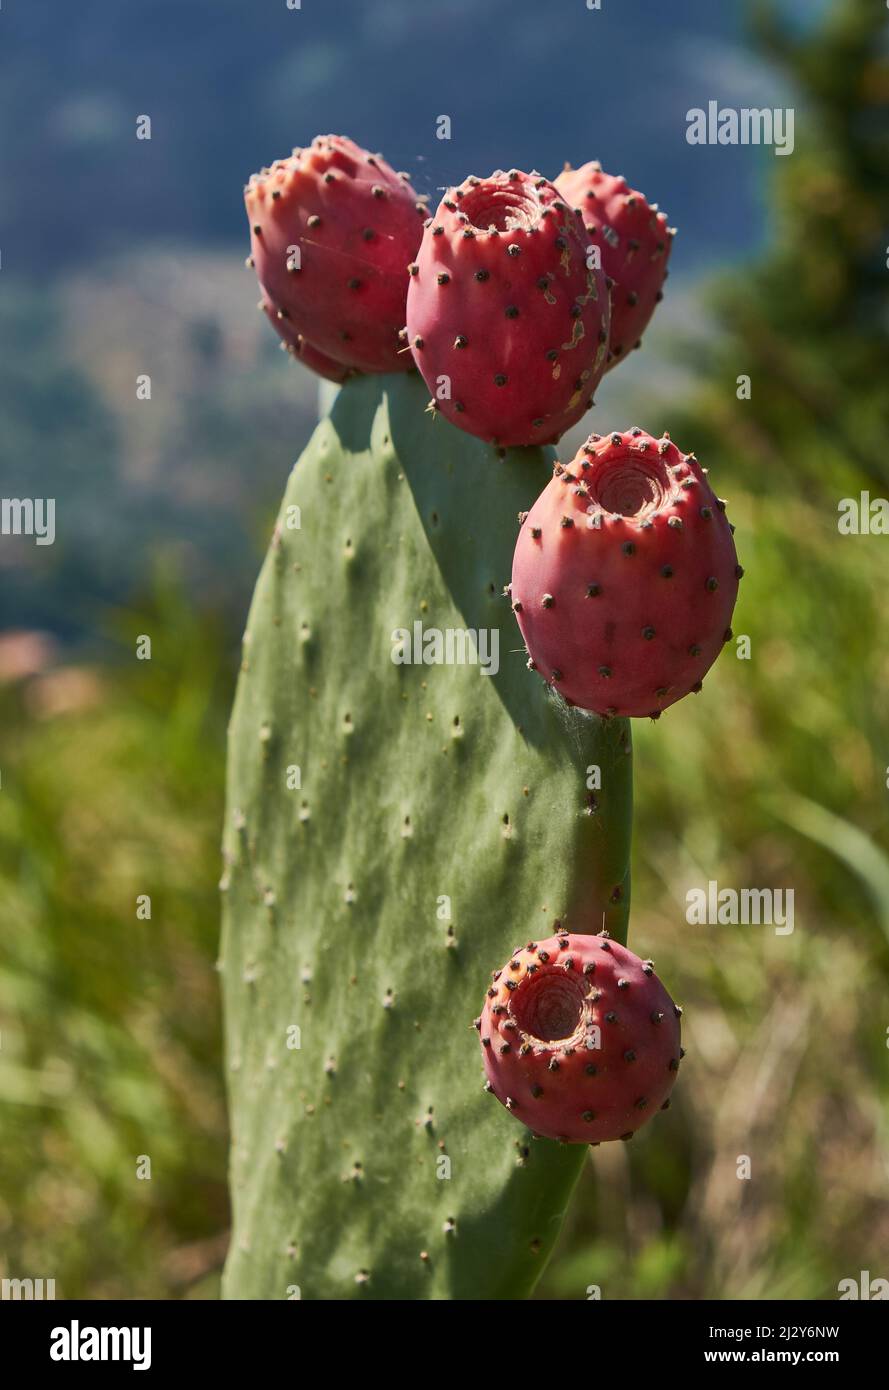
(392, 831)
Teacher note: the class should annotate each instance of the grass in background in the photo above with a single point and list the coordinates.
(111, 1041)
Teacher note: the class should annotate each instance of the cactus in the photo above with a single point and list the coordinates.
(392, 831)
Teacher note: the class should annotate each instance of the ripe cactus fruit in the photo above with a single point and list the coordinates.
(580, 1039)
(332, 230)
(296, 345)
(625, 576)
(507, 321)
(635, 243)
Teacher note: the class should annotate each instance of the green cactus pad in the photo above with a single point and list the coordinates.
(368, 1162)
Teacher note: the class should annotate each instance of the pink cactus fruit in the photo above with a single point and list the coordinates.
(625, 576)
(333, 229)
(507, 319)
(634, 241)
(580, 1039)
(296, 345)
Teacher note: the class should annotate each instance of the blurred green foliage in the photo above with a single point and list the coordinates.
(776, 776)
(111, 789)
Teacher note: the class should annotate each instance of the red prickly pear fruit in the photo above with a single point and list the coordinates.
(625, 576)
(635, 244)
(333, 230)
(296, 345)
(507, 320)
(580, 1039)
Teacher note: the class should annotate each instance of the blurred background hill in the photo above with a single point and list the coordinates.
(122, 257)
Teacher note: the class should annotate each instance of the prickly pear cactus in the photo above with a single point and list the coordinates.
(393, 830)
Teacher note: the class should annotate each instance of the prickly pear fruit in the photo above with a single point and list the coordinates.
(507, 321)
(580, 1039)
(634, 241)
(333, 229)
(625, 576)
(296, 345)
